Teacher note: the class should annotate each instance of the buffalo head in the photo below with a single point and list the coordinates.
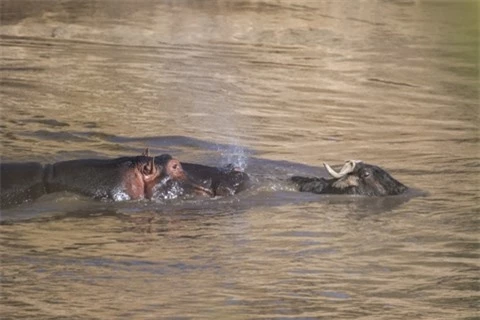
(355, 178)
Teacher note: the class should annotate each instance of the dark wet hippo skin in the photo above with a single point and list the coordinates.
(223, 181)
(126, 178)
(364, 179)
(20, 182)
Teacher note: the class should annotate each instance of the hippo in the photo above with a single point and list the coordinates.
(355, 178)
(201, 180)
(125, 178)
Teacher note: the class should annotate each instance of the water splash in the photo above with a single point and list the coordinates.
(167, 189)
(235, 155)
(170, 194)
(120, 195)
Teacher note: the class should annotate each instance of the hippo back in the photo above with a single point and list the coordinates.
(20, 182)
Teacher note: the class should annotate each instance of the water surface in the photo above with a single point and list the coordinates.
(277, 87)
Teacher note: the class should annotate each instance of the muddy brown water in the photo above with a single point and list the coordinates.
(277, 87)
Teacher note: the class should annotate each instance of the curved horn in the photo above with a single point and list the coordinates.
(347, 168)
(331, 172)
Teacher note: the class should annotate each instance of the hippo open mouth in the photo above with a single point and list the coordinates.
(174, 181)
(171, 188)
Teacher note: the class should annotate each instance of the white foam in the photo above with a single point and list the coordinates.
(120, 195)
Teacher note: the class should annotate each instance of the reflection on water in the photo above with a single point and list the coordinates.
(277, 88)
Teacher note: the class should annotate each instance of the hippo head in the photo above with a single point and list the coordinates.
(357, 177)
(173, 181)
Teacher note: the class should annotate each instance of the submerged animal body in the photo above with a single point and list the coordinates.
(125, 178)
(164, 177)
(355, 178)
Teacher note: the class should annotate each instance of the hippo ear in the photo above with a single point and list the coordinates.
(149, 167)
(146, 153)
